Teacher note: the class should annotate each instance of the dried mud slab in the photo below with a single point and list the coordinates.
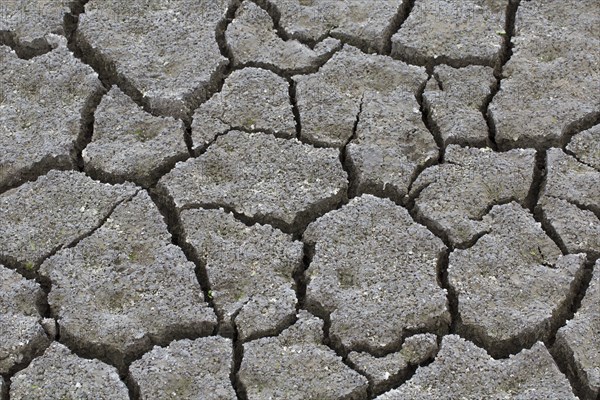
(185, 369)
(253, 40)
(296, 365)
(163, 51)
(578, 341)
(453, 197)
(365, 24)
(329, 100)
(251, 99)
(570, 202)
(60, 374)
(550, 85)
(514, 285)
(21, 325)
(130, 144)
(462, 370)
(586, 146)
(249, 269)
(42, 102)
(391, 145)
(578, 230)
(38, 218)
(374, 273)
(126, 287)
(384, 372)
(452, 32)
(25, 24)
(454, 98)
(281, 182)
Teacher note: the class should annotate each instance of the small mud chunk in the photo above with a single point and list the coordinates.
(514, 285)
(570, 202)
(330, 99)
(186, 369)
(23, 337)
(374, 272)
(454, 98)
(578, 230)
(251, 99)
(297, 366)
(586, 146)
(367, 24)
(550, 84)
(56, 210)
(453, 197)
(25, 24)
(391, 145)
(462, 370)
(250, 271)
(41, 106)
(60, 374)
(578, 341)
(166, 52)
(277, 181)
(453, 32)
(384, 372)
(130, 144)
(126, 287)
(252, 40)
(570, 180)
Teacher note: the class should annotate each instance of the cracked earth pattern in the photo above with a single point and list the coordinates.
(300, 199)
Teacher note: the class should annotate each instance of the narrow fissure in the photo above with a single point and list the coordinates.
(401, 15)
(171, 218)
(86, 130)
(505, 55)
(344, 157)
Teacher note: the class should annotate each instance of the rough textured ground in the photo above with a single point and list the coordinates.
(299, 199)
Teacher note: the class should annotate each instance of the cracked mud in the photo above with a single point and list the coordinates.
(299, 199)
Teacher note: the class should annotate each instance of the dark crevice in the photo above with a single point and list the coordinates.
(238, 355)
(539, 175)
(86, 130)
(395, 24)
(429, 123)
(288, 73)
(38, 169)
(275, 15)
(564, 357)
(25, 51)
(444, 283)
(145, 182)
(295, 108)
(506, 52)
(578, 289)
(407, 374)
(300, 276)
(167, 209)
(584, 123)
(132, 387)
(345, 159)
(29, 271)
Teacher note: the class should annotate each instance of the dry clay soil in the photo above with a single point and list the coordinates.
(300, 199)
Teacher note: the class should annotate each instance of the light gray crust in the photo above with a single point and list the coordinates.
(59, 374)
(367, 254)
(281, 182)
(297, 366)
(462, 370)
(249, 269)
(185, 369)
(126, 288)
(42, 105)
